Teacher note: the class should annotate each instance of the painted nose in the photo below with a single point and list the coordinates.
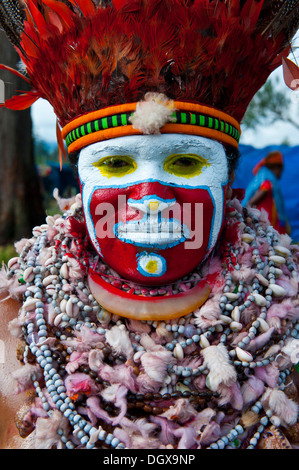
(152, 205)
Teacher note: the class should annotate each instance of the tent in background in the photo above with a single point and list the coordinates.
(289, 180)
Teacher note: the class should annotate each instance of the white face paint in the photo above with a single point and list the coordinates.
(149, 157)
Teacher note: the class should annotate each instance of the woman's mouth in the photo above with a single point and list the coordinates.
(152, 232)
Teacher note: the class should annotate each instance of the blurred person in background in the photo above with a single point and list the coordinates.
(264, 191)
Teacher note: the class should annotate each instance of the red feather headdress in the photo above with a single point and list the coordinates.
(84, 56)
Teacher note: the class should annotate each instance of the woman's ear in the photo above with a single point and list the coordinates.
(230, 182)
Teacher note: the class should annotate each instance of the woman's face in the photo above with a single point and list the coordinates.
(154, 204)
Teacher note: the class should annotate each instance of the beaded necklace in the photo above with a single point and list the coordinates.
(60, 318)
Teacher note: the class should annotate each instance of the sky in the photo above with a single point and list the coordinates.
(44, 122)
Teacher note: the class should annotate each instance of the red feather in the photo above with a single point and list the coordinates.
(61, 9)
(55, 21)
(21, 102)
(290, 73)
(86, 6)
(85, 57)
(15, 72)
(37, 17)
(119, 3)
(251, 11)
(61, 149)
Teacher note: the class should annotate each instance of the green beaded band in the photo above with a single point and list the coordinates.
(179, 117)
(203, 120)
(108, 122)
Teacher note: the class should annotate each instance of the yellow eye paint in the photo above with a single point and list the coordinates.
(116, 165)
(186, 165)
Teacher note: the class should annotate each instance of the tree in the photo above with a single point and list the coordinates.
(269, 105)
(20, 196)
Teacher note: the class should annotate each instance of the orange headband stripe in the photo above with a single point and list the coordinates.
(93, 116)
(167, 129)
(198, 108)
(114, 121)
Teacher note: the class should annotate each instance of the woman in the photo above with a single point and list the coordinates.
(141, 327)
(264, 191)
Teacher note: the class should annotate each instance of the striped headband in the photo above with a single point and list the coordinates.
(114, 121)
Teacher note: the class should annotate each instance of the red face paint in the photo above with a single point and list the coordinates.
(191, 209)
(153, 205)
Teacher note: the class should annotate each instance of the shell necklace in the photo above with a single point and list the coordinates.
(73, 348)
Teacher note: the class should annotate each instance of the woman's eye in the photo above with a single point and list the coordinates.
(116, 165)
(187, 165)
(185, 162)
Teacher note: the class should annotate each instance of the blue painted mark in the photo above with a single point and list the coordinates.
(151, 257)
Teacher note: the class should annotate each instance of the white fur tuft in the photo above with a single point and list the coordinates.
(153, 113)
(285, 409)
(221, 371)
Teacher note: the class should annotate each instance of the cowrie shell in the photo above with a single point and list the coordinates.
(282, 251)
(71, 308)
(182, 387)
(236, 314)
(50, 220)
(263, 325)
(278, 291)
(104, 316)
(243, 355)
(30, 304)
(14, 261)
(31, 289)
(277, 260)
(64, 271)
(210, 384)
(62, 305)
(232, 295)
(36, 231)
(50, 289)
(247, 237)
(178, 352)
(262, 279)
(204, 342)
(225, 319)
(236, 326)
(28, 275)
(49, 279)
(58, 319)
(49, 261)
(259, 299)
